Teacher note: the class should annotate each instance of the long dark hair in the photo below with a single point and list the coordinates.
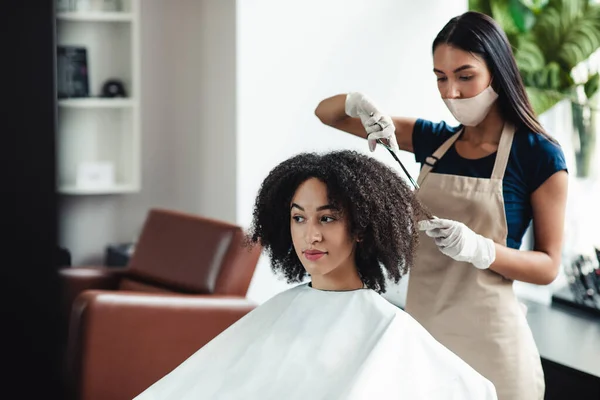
(479, 34)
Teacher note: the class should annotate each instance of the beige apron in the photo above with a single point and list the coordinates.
(474, 312)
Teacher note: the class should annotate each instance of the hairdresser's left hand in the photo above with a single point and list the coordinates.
(459, 242)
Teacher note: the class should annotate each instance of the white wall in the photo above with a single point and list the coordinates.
(188, 128)
(290, 57)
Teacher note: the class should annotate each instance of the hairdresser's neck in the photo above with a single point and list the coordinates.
(488, 131)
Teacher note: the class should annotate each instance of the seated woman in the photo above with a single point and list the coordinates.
(345, 220)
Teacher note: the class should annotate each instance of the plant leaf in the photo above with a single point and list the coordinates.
(568, 31)
(543, 100)
(549, 77)
(482, 6)
(591, 86)
(523, 17)
(501, 13)
(535, 6)
(528, 54)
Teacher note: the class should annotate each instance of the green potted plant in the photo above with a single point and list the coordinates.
(553, 41)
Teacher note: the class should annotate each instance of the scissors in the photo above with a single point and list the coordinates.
(393, 153)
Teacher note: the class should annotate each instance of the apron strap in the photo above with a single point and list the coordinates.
(502, 155)
(508, 133)
(431, 160)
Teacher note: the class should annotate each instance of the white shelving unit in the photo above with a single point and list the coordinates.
(119, 188)
(95, 16)
(96, 103)
(96, 129)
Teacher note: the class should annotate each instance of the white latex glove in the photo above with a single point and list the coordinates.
(377, 125)
(458, 241)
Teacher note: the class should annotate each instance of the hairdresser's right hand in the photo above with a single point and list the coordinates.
(377, 125)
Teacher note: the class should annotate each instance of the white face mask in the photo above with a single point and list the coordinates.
(472, 111)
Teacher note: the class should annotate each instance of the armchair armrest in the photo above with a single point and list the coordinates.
(120, 342)
(75, 280)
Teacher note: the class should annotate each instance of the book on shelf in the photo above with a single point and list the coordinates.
(72, 72)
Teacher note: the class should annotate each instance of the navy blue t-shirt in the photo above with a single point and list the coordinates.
(533, 159)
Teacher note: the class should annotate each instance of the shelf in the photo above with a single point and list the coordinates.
(96, 103)
(95, 16)
(94, 128)
(116, 189)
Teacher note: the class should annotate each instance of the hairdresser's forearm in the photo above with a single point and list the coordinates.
(332, 110)
(528, 266)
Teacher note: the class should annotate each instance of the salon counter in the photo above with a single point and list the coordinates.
(568, 340)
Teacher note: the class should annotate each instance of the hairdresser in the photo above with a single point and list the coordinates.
(485, 181)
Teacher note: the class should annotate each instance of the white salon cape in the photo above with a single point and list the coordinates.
(311, 344)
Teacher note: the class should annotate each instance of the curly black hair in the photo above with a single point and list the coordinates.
(380, 208)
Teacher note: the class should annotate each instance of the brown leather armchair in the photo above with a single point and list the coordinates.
(186, 282)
